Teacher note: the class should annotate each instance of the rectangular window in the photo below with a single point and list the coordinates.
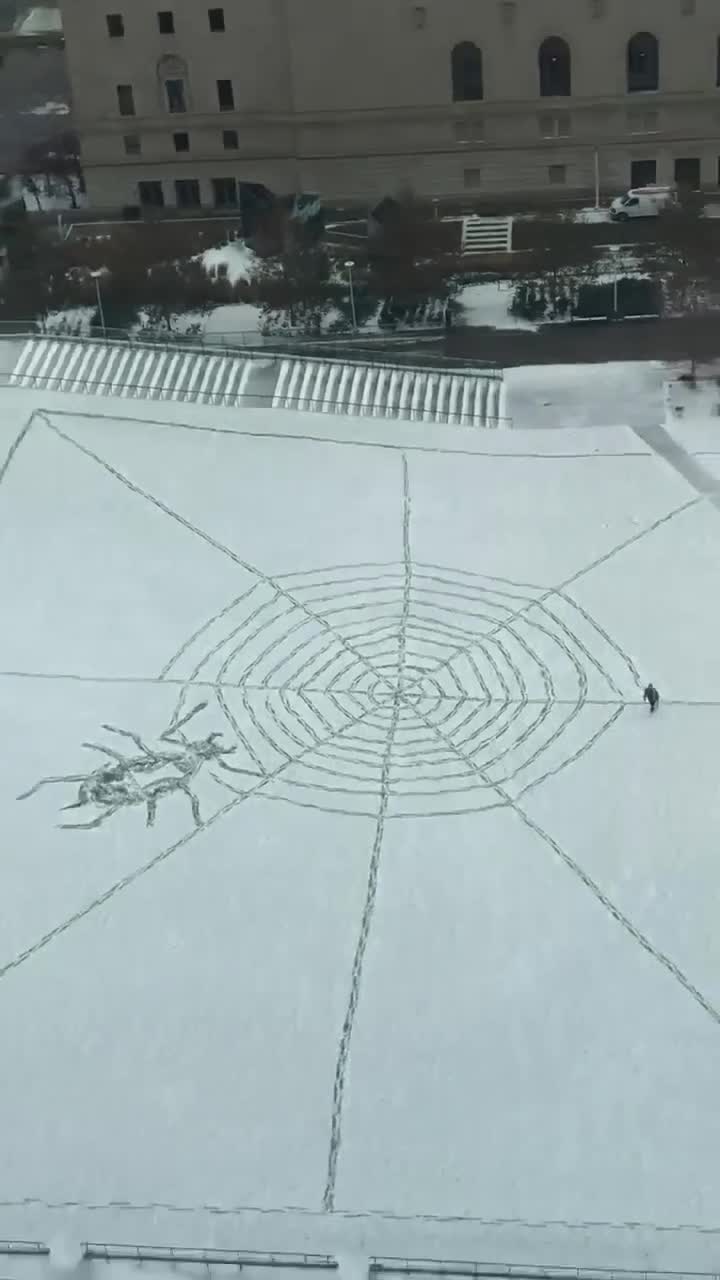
(151, 194)
(175, 96)
(181, 141)
(687, 172)
(643, 173)
(125, 99)
(115, 25)
(469, 130)
(555, 125)
(230, 139)
(557, 174)
(166, 22)
(642, 121)
(132, 145)
(226, 96)
(216, 19)
(471, 178)
(187, 193)
(225, 193)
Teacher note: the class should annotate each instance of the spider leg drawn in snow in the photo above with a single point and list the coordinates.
(122, 782)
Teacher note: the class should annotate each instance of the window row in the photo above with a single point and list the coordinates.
(132, 142)
(642, 67)
(225, 192)
(467, 131)
(175, 95)
(115, 22)
(556, 124)
(643, 173)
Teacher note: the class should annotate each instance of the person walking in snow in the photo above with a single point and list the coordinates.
(651, 696)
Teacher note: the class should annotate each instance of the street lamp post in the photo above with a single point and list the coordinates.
(349, 267)
(101, 309)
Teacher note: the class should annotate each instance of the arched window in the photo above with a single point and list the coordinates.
(554, 68)
(467, 77)
(174, 84)
(643, 62)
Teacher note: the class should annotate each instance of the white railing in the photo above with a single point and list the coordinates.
(486, 235)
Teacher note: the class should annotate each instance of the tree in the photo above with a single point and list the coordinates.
(294, 287)
(559, 258)
(56, 161)
(685, 258)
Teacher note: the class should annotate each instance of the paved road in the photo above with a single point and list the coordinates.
(590, 342)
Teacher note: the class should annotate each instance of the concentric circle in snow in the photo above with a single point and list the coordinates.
(432, 692)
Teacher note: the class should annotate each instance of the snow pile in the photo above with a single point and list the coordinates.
(590, 215)
(72, 321)
(232, 324)
(50, 109)
(487, 305)
(233, 260)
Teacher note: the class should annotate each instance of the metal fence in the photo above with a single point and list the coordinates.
(25, 1248)
(256, 400)
(349, 347)
(208, 1257)
(522, 1271)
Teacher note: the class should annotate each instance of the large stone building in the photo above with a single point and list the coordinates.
(356, 99)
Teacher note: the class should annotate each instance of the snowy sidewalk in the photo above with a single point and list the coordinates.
(662, 443)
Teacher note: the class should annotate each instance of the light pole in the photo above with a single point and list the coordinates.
(596, 160)
(101, 310)
(349, 267)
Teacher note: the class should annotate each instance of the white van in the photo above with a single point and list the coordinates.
(643, 202)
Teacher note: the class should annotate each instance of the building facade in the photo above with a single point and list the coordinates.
(357, 99)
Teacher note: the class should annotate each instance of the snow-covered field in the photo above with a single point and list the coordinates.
(419, 951)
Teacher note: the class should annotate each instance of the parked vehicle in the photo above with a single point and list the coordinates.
(643, 202)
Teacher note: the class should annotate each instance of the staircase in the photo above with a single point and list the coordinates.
(387, 391)
(350, 388)
(486, 235)
(130, 371)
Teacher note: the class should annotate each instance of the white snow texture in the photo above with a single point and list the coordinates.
(421, 956)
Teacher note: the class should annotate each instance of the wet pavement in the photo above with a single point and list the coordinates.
(590, 342)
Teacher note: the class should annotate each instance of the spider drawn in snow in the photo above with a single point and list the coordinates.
(113, 786)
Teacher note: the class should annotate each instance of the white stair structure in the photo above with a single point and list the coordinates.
(131, 371)
(486, 235)
(389, 391)
(359, 387)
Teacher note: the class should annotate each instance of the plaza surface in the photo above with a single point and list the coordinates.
(389, 902)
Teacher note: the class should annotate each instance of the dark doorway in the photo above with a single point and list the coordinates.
(643, 63)
(643, 173)
(467, 77)
(554, 68)
(687, 172)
